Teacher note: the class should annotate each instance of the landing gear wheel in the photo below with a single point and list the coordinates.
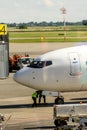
(59, 100)
(59, 122)
(63, 122)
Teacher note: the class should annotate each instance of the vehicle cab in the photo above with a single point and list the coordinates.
(24, 61)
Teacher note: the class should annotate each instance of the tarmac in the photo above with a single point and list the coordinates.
(16, 101)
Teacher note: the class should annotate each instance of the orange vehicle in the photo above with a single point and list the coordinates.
(13, 62)
(17, 62)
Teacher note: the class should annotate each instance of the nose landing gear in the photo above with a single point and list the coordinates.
(59, 99)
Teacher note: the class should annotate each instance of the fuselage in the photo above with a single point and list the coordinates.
(61, 70)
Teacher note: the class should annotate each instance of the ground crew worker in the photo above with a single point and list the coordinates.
(40, 96)
(34, 97)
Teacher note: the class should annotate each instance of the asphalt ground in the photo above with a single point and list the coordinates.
(35, 49)
(16, 101)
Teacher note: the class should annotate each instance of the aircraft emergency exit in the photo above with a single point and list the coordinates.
(62, 70)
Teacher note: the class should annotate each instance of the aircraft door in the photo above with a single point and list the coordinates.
(75, 67)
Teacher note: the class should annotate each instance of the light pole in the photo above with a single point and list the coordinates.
(63, 10)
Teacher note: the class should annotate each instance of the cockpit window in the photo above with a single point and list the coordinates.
(37, 64)
(40, 64)
(48, 63)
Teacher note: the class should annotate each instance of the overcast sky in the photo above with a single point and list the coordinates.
(42, 10)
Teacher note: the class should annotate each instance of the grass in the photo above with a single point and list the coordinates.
(49, 34)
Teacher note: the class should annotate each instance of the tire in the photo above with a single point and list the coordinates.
(63, 122)
(59, 101)
(57, 122)
(10, 69)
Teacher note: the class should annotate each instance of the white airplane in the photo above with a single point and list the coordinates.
(63, 70)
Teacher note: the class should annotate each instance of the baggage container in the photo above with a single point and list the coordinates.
(70, 112)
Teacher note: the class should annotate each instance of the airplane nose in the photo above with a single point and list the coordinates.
(21, 76)
(17, 77)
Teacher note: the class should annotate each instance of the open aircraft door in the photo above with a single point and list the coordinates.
(75, 66)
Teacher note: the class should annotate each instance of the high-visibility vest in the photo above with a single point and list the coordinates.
(35, 95)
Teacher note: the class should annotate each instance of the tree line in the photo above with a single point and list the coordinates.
(44, 23)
